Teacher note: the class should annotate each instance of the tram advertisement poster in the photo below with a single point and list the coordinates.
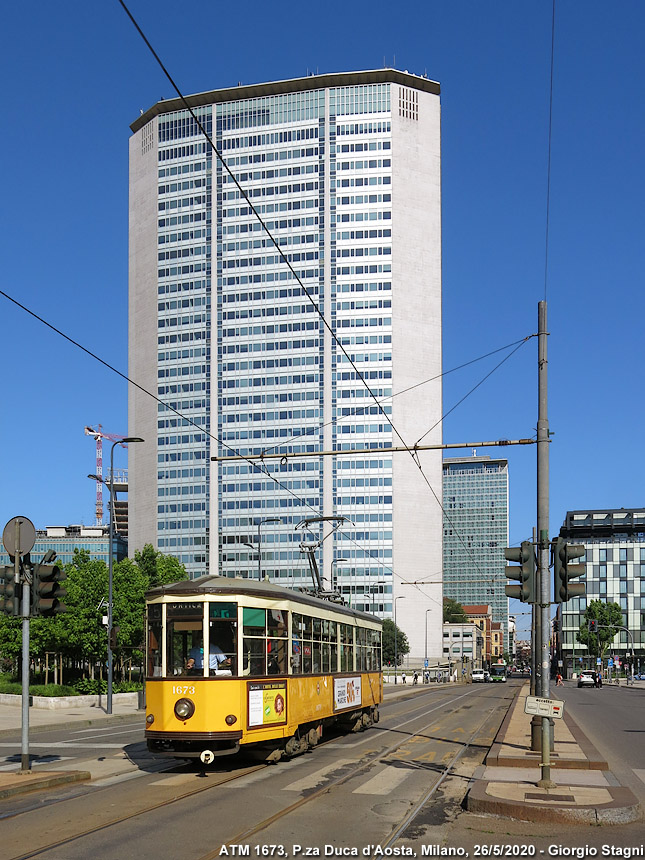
(347, 693)
(267, 704)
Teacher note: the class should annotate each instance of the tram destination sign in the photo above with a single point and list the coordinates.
(544, 707)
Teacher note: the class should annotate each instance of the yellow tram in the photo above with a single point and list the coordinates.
(240, 664)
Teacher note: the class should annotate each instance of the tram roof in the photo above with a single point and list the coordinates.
(225, 585)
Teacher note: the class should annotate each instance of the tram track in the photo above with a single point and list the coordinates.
(410, 714)
(247, 834)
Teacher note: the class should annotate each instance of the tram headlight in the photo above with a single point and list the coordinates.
(231, 720)
(150, 719)
(184, 709)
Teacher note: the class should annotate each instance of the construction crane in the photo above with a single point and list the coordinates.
(99, 436)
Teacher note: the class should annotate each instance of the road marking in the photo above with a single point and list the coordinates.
(640, 774)
(314, 779)
(386, 781)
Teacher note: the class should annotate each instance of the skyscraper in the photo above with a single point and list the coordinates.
(475, 533)
(342, 173)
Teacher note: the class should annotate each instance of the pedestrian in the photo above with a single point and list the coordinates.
(403, 681)
(558, 680)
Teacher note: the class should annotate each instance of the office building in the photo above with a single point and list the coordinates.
(344, 172)
(475, 533)
(65, 539)
(614, 542)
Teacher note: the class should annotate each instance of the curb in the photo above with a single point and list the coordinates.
(623, 808)
(37, 782)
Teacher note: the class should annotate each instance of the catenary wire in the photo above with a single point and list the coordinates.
(285, 259)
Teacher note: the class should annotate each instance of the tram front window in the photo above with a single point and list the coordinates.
(185, 638)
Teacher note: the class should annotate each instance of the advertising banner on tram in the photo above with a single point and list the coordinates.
(347, 693)
(267, 703)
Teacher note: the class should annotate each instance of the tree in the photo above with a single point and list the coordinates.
(609, 617)
(453, 612)
(157, 568)
(402, 644)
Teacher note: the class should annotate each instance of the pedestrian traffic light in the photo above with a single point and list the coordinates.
(526, 592)
(563, 570)
(7, 590)
(46, 592)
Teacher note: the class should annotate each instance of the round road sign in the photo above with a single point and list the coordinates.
(13, 544)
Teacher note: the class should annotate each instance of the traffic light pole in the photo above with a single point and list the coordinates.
(544, 583)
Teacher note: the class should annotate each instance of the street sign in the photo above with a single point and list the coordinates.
(24, 544)
(610, 663)
(544, 707)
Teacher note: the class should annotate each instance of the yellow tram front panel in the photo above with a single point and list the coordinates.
(214, 700)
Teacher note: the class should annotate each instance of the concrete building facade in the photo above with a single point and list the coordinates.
(343, 171)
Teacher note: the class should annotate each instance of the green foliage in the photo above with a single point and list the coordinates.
(453, 612)
(79, 633)
(51, 690)
(609, 617)
(157, 568)
(402, 644)
(90, 686)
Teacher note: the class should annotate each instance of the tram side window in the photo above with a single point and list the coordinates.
(154, 641)
(266, 641)
(301, 633)
(184, 637)
(346, 648)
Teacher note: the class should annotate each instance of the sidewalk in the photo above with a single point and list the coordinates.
(14, 781)
(584, 791)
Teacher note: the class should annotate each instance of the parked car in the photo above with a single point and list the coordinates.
(479, 675)
(587, 678)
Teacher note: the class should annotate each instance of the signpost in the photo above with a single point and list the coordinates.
(18, 537)
(541, 707)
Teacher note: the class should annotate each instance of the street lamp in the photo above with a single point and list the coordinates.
(260, 524)
(426, 655)
(331, 567)
(110, 655)
(396, 665)
(372, 587)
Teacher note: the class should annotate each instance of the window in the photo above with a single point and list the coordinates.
(184, 637)
(154, 640)
(264, 650)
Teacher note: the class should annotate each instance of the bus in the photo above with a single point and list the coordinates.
(499, 672)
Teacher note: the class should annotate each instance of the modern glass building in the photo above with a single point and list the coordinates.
(614, 541)
(249, 353)
(475, 533)
(65, 539)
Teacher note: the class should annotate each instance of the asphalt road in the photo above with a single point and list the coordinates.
(613, 718)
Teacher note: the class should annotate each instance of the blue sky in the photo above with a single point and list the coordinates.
(77, 74)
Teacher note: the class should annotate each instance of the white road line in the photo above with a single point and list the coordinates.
(384, 782)
(640, 774)
(314, 779)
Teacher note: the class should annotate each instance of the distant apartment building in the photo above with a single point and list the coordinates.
(481, 616)
(463, 641)
(475, 533)
(65, 539)
(344, 171)
(614, 541)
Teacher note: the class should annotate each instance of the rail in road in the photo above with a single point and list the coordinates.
(373, 787)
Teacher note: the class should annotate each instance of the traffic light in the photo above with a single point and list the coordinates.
(7, 590)
(526, 592)
(563, 570)
(592, 625)
(46, 593)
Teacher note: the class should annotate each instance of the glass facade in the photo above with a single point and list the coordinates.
(614, 572)
(242, 351)
(475, 534)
